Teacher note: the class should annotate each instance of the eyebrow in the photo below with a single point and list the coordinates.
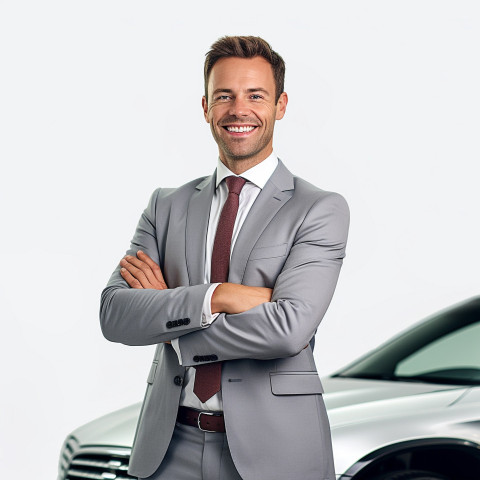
(249, 90)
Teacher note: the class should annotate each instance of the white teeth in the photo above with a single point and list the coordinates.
(240, 129)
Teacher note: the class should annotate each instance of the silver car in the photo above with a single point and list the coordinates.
(408, 410)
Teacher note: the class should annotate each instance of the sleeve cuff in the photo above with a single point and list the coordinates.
(207, 316)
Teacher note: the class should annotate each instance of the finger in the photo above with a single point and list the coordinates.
(136, 273)
(130, 279)
(154, 266)
(143, 270)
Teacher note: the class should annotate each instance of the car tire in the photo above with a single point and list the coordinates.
(411, 475)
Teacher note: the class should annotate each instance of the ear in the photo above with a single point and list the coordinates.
(205, 109)
(281, 106)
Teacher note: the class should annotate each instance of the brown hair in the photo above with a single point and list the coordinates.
(246, 47)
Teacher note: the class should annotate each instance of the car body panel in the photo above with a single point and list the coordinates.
(438, 413)
(115, 429)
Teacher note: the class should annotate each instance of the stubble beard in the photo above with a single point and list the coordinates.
(251, 151)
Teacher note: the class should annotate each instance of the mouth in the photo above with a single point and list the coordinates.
(239, 130)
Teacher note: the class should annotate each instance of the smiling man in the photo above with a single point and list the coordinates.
(230, 275)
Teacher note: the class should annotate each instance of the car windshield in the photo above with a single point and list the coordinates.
(443, 349)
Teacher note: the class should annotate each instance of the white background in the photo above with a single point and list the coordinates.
(100, 104)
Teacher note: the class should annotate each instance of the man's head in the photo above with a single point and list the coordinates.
(246, 47)
(243, 98)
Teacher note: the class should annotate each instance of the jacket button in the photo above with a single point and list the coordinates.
(186, 321)
(213, 357)
(169, 325)
(178, 380)
(196, 358)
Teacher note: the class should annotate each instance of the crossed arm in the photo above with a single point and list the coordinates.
(253, 322)
(142, 272)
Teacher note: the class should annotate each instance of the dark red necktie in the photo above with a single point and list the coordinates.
(208, 376)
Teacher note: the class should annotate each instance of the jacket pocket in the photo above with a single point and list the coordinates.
(268, 252)
(153, 371)
(295, 383)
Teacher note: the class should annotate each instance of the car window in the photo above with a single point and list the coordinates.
(444, 348)
(456, 355)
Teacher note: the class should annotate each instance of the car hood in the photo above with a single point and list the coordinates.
(348, 401)
(367, 415)
(343, 394)
(115, 429)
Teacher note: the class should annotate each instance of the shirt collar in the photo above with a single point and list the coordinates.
(259, 174)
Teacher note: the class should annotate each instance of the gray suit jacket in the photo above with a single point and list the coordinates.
(293, 240)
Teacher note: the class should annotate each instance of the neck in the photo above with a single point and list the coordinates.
(239, 165)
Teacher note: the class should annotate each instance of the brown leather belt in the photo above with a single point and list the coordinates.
(205, 421)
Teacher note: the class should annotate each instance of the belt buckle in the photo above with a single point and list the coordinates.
(198, 421)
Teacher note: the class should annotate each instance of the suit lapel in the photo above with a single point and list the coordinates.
(277, 191)
(196, 229)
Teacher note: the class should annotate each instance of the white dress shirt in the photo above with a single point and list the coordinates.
(256, 177)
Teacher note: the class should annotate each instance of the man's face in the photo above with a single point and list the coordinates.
(241, 109)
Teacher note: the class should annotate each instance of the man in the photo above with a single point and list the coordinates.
(231, 275)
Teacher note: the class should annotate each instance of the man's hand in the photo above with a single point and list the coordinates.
(142, 272)
(234, 298)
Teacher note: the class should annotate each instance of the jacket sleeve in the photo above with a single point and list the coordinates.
(148, 316)
(301, 296)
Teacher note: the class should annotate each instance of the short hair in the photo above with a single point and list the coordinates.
(246, 47)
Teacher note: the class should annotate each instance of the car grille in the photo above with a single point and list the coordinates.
(94, 463)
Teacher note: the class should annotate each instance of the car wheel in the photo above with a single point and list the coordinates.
(411, 475)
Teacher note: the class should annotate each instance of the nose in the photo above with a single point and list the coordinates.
(239, 107)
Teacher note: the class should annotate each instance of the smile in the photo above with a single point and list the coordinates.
(241, 129)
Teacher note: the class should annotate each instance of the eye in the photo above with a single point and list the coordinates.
(256, 97)
(223, 97)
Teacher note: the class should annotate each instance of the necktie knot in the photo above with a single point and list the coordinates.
(235, 184)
